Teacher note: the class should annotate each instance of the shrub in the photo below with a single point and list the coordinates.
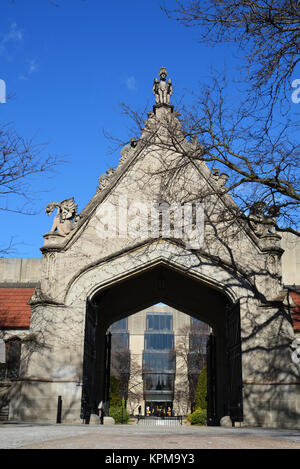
(115, 400)
(116, 413)
(201, 391)
(198, 417)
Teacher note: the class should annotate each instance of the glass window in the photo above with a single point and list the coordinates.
(158, 382)
(158, 361)
(121, 325)
(198, 343)
(120, 340)
(158, 341)
(120, 334)
(159, 322)
(199, 326)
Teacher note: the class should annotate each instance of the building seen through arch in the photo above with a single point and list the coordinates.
(166, 352)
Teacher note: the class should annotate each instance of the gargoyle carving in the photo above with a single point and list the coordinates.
(66, 217)
(261, 219)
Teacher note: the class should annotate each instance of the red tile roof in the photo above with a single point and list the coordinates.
(296, 311)
(14, 310)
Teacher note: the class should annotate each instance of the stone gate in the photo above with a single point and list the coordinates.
(141, 240)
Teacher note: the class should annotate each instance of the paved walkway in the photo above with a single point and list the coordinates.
(34, 436)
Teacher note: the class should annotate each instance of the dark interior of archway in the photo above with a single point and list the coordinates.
(176, 289)
(161, 284)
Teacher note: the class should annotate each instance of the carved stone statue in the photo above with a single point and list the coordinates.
(162, 89)
(262, 220)
(66, 216)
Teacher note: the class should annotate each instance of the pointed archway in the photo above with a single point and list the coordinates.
(161, 283)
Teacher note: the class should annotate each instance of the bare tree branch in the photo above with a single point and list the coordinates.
(21, 161)
(257, 166)
(268, 31)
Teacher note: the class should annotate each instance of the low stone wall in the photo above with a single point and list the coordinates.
(38, 401)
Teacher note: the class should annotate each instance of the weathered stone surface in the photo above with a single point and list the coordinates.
(226, 421)
(94, 419)
(108, 421)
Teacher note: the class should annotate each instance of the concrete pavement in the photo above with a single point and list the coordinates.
(45, 436)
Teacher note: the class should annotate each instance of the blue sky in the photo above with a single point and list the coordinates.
(67, 69)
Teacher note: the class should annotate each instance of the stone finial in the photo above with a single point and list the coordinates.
(66, 216)
(162, 89)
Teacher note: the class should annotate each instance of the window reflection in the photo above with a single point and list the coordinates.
(120, 334)
(154, 341)
(120, 340)
(159, 361)
(159, 322)
(121, 325)
(158, 382)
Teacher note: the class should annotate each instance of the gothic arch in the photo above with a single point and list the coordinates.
(97, 276)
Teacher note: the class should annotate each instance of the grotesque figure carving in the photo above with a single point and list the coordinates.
(262, 220)
(66, 216)
(162, 89)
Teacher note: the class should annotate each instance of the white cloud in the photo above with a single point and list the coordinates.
(131, 83)
(14, 34)
(32, 68)
(13, 37)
